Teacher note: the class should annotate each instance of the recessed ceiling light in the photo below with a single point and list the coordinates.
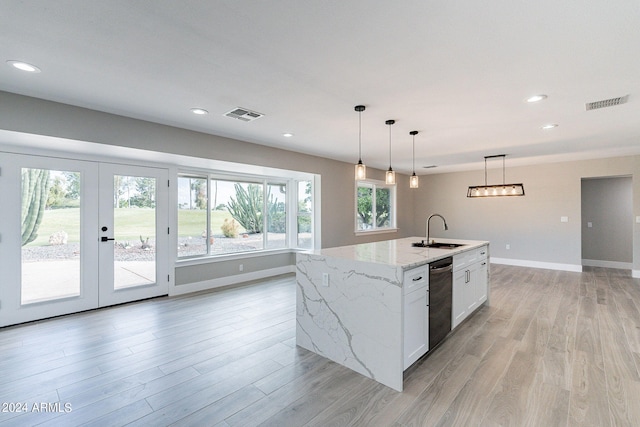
(287, 134)
(199, 111)
(23, 66)
(536, 98)
(550, 126)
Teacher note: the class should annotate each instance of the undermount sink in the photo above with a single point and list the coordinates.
(436, 245)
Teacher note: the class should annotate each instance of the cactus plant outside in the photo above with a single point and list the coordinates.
(246, 208)
(35, 191)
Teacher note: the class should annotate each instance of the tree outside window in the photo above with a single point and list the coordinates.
(375, 206)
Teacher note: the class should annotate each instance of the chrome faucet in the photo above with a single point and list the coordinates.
(446, 227)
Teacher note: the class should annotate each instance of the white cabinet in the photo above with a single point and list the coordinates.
(416, 314)
(461, 296)
(469, 283)
(482, 282)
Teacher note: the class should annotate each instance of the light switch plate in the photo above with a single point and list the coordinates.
(638, 219)
(564, 219)
(589, 224)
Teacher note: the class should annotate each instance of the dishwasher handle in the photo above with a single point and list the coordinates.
(441, 269)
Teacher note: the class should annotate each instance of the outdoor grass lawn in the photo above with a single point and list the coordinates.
(130, 224)
(194, 222)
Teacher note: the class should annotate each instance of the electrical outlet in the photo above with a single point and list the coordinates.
(564, 219)
(241, 267)
(589, 224)
(508, 246)
(325, 279)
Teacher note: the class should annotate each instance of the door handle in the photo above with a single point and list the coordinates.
(105, 239)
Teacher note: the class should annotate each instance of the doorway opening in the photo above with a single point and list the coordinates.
(607, 222)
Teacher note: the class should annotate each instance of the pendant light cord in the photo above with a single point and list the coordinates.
(360, 136)
(389, 146)
(414, 154)
(485, 171)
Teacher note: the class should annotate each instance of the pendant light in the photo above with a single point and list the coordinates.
(499, 190)
(413, 181)
(390, 177)
(361, 169)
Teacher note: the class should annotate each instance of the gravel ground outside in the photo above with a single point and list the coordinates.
(133, 251)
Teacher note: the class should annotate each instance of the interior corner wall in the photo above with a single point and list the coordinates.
(607, 219)
(530, 225)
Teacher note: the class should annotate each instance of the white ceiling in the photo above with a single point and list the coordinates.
(456, 71)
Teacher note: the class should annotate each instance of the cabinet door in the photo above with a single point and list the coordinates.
(459, 299)
(481, 283)
(471, 297)
(416, 326)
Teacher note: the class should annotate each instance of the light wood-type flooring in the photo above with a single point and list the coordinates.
(553, 349)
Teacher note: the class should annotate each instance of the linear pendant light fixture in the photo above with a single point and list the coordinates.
(361, 169)
(390, 177)
(413, 181)
(499, 190)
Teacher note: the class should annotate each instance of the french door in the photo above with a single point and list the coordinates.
(77, 235)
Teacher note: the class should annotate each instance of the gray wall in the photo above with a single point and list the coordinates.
(530, 224)
(35, 116)
(607, 204)
(214, 270)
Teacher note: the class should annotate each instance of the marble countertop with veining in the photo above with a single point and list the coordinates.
(398, 252)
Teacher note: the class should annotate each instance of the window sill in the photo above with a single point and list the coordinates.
(380, 231)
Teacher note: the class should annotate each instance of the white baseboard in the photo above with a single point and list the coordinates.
(230, 280)
(607, 264)
(537, 264)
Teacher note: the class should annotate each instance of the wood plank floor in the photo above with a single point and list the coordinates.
(553, 349)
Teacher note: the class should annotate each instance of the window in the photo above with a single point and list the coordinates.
(304, 217)
(192, 216)
(375, 206)
(220, 215)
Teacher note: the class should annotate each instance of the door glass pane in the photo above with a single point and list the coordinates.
(50, 223)
(192, 216)
(134, 218)
(276, 216)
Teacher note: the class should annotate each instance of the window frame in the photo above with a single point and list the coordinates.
(291, 212)
(374, 185)
(304, 214)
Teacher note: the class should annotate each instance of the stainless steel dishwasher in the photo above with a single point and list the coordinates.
(440, 284)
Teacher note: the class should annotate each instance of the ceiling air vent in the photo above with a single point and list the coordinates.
(606, 103)
(243, 114)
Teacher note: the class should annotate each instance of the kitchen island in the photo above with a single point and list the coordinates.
(353, 302)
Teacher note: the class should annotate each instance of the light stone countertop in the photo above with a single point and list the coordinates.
(398, 252)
